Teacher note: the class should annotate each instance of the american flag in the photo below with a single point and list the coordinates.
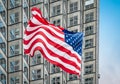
(59, 46)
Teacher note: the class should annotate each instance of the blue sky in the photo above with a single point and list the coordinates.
(109, 41)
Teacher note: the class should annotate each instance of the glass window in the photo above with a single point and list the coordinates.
(56, 80)
(14, 80)
(56, 22)
(88, 69)
(89, 80)
(2, 77)
(88, 56)
(89, 43)
(89, 30)
(56, 10)
(36, 74)
(46, 80)
(73, 20)
(14, 66)
(26, 58)
(46, 63)
(26, 71)
(14, 3)
(3, 62)
(33, 74)
(4, 1)
(17, 46)
(3, 14)
(14, 49)
(36, 59)
(25, 82)
(55, 69)
(12, 34)
(2, 30)
(89, 17)
(53, 81)
(89, 4)
(26, 11)
(3, 47)
(25, 21)
(73, 6)
(25, 24)
(17, 33)
(35, 2)
(14, 18)
(72, 77)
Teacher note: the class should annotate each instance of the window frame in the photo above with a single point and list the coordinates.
(55, 80)
(35, 59)
(55, 69)
(89, 69)
(14, 66)
(14, 18)
(36, 75)
(73, 7)
(14, 3)
(15, 51)
(89, 43)
(89, 30)
(89, 17)
(89, 80)
(88, 56)
(72, 77)
(73, 20)
(57, 22)
(56, 10)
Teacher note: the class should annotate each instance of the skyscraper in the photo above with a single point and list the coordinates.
(74, 15)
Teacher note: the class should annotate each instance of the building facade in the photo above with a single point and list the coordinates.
(74, 15)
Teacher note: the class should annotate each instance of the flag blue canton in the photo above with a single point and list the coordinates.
(75, 40)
